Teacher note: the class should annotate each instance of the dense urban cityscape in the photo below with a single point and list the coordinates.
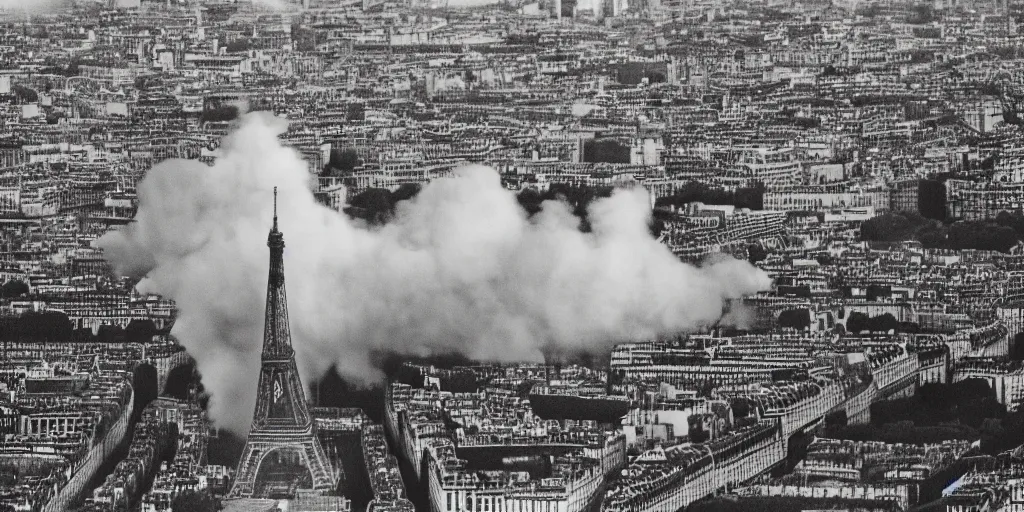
(544, 255)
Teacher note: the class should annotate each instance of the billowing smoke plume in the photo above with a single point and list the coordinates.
(459, 268)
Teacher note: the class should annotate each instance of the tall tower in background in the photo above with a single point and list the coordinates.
(282, 453)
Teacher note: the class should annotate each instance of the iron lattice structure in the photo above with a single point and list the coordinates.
(281, 423)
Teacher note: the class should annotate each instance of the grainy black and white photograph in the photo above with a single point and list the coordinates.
(512, 255)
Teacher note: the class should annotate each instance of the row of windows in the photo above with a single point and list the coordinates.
(484, 503)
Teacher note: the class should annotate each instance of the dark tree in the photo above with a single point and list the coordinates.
(54, 117)
(224, 450)
(344, 160)
(578, 197)
(83, 335)
(406, 191)
(933, 237)
(193, 501)
(838, 418)
(908, 327)
(883, 323)
(140, 331)
(530, 199)
(13, 288)
(756, 253)
(220, 113)
(740, 408)
(460, 381)
(857, 322)
(179, 380)
(697, 433)
(605, 151)
(373, 205)
(982, 236)
(892, 227)
(45, 326)
(110, 334)
(657, 226)
(1013, 432)
(798, 319)
(874, 292)
(992, 435)
(24, 94)
(693, 191)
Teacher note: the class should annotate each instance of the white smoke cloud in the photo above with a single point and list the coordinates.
(459, 268)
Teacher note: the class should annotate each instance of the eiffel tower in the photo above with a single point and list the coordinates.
(282, 448)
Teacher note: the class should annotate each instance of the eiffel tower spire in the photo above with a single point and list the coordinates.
(277, 338)
(282, 431)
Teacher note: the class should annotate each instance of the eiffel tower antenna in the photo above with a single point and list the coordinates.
(275, 209)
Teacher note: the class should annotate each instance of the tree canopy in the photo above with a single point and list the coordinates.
(194, 501)
(697, 192)
(140, 331)
(999, 234)
(13, 288)
(756, 253)
(860, 322)
(343, 160)
(857, 322)
(374, 205)
(605, 151)
(24, 94)
(938, 412)
(43, 326)
(578, 197)
(798, 319)
(378, 206)
(220, 113)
